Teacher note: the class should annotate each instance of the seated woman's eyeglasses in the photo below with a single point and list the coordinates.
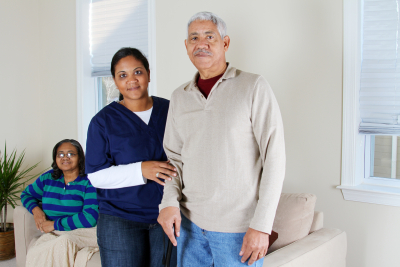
(68, 155)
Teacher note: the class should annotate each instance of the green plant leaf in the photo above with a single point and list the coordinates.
(12, 179)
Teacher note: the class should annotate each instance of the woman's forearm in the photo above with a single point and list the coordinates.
(118, 176)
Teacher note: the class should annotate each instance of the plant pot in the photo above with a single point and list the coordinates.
(7, 245)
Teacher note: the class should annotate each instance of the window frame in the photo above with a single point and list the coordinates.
(356, 183)
(87, 86)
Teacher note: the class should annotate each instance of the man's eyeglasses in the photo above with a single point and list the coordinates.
(68, 155)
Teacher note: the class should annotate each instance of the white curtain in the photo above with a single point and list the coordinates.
(380, 71)
(115, 24)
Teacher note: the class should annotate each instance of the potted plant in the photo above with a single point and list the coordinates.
(12, 180)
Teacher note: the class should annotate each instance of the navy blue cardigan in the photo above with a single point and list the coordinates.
(118, 136)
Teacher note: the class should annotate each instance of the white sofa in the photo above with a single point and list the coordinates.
(302, 241)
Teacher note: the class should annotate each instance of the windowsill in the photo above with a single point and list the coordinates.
(376, 194)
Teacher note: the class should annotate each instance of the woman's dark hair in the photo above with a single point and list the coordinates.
(81, 156)
(124, 52)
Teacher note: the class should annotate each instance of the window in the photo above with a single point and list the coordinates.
(369, 147)
(103, 27)
(384, 157)
(107, 91)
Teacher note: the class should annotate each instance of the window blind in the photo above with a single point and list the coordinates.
(115, 24)
(380, 71)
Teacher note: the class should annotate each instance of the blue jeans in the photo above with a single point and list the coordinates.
(198, 247)
(125, 243)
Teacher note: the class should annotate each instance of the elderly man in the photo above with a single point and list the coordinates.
(224, 135)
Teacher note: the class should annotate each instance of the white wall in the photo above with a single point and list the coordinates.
(21, 108)
(297, 46)
(58, 71)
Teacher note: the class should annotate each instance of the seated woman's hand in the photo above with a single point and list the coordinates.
(39, 217)
(153, 170)
(47, 226)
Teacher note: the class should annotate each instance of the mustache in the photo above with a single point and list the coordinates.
(202, 51)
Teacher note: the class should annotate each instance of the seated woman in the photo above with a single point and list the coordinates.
(69, 202)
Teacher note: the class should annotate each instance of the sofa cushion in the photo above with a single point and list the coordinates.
(293, 219)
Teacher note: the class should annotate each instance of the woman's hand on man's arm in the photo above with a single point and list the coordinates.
(152, 170)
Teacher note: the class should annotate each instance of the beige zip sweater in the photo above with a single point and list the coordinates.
(229, 151)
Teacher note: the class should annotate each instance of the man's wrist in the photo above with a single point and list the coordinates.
(169, 204)
(260, 231)
(261, 227)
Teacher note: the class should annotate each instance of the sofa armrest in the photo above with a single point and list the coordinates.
(325, 247)
(24, 230)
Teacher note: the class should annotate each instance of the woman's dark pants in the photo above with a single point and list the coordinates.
(125, 243)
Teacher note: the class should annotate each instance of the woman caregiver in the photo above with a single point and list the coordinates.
(124, 161)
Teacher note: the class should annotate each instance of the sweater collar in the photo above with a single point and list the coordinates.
(78, 179)
(230, 72)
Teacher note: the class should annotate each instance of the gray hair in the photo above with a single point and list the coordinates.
(221, 26)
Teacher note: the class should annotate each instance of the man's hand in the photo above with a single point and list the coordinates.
(169, 217)
(255, 244)
(47, 226)
(39, 217)
(153, 170)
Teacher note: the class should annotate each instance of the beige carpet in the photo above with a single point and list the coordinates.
(8, 263)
